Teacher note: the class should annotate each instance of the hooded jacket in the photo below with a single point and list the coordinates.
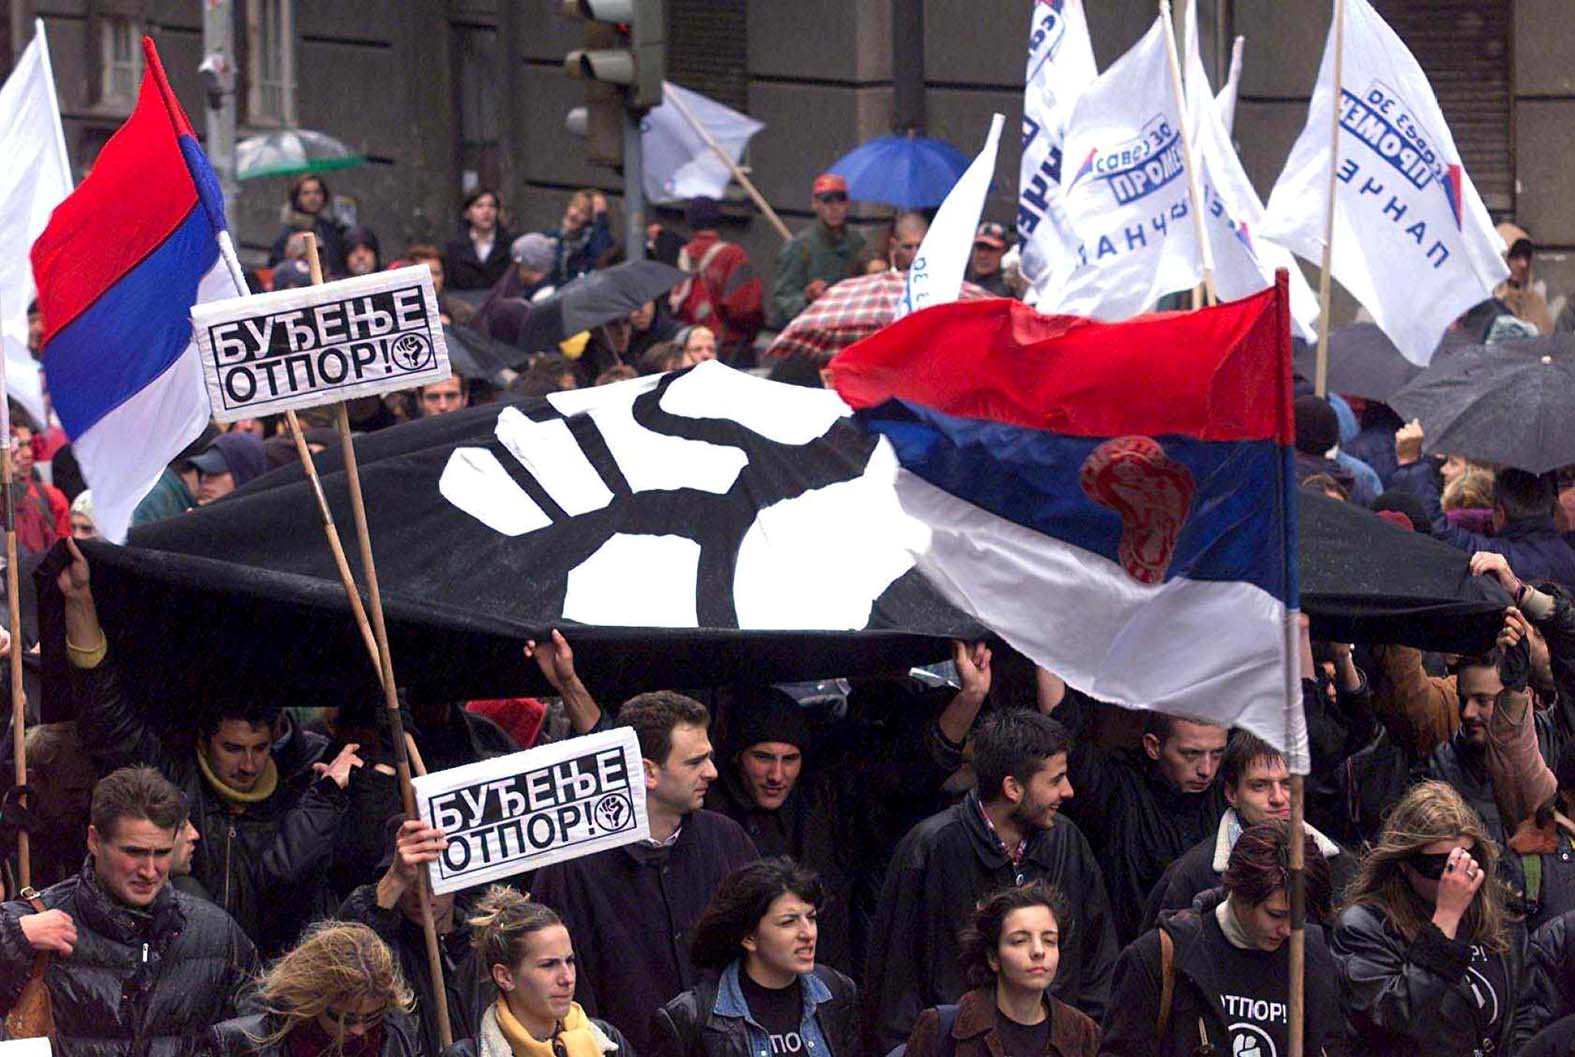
(937, 876)
(267, 864)
(1202, 988)
(139, 983)
(1416, 998)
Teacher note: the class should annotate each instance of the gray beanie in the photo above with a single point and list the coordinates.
(535, 251)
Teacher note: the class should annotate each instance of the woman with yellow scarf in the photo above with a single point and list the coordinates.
(531, 960)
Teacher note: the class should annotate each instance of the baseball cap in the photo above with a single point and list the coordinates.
(991, 234)
(535, 251)
(828, 182)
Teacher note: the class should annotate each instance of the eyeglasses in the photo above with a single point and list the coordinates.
(832, 196)
(345, 1021)
(1431, 867)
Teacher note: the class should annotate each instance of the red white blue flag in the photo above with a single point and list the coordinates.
(1113, 499)
(118, 269)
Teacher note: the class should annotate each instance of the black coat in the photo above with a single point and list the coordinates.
(267, 865)
(1413, 999)
(330, 244)
(1133, 1015)
(1193, 874)
(688, 1027)
(1556, 1040)
(138, 983)
(938, 874)
(236, 1038)
(468, 984)
(463, 270)
(1550, 972)
(630, 911)
(1136, 822)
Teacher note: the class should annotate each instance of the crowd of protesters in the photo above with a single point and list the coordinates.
(983, 862)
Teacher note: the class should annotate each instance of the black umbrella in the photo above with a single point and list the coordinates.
(1509, 403)
(1362, 362)
(474, 355)
(596, 298)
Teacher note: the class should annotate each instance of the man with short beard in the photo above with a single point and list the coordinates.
(1008, 831)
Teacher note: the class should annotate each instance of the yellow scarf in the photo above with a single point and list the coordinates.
(238, 800)
(575, 1031)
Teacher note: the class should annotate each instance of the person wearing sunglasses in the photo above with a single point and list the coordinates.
(337, 994)
(530, 958)
(823, 253)
(1427, 959)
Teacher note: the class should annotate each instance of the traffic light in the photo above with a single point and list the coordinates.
(622, 61)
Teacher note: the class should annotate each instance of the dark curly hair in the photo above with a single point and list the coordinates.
(982, 937)
(741, 900)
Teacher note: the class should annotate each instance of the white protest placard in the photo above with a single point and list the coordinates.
(317, 345)
(38, 1047)
(522, 811)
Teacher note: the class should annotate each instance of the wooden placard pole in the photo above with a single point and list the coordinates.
(1321, 368)
(24, 873)
(396, 722)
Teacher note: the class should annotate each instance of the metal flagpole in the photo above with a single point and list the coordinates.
(396, 722)
(1194, 194)
(1321, 370)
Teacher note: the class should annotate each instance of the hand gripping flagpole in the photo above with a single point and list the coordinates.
(1294, 732)
(1321, 369)
(385, 666)
(24, 876)
(1194, 195)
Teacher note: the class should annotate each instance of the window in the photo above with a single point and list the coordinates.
(270, 38)
(120, 40)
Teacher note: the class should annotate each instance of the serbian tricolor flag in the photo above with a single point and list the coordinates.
(118, 269)
(1115, 500)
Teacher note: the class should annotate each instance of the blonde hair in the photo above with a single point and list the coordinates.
(503, 923)
(334, 963)
(1472, 490)
(1430, 811)
(698, 328)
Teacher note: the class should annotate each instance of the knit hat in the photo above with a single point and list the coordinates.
(291, 275)
(764, 713)
(238, 454)
(703, 212)
(1407, 506)
(362, 236)
(535, 251)
(1317, 425)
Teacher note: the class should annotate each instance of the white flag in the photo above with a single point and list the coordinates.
(1060, 67)
(1412, 240)
(36, 177)
(1244, 261)
(1225, 102)
(936, 275)
(679, 164)
(1125, 188)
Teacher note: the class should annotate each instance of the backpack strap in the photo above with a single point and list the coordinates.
(1167, 983)
(948, 1045)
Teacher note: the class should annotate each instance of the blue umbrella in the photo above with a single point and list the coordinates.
(908, 172)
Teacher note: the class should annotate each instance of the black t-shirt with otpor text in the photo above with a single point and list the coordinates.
(779, 1010)
(1253, 994)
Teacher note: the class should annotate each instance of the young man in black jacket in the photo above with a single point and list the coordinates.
(1007, 832)
(629, 910)
(136, 967)
(266, 805)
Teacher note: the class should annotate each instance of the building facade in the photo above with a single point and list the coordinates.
(443, 95)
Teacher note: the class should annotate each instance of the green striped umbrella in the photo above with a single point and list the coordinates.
(291, 151)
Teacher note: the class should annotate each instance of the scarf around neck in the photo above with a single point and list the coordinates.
(266, 784)
(578, 1035)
